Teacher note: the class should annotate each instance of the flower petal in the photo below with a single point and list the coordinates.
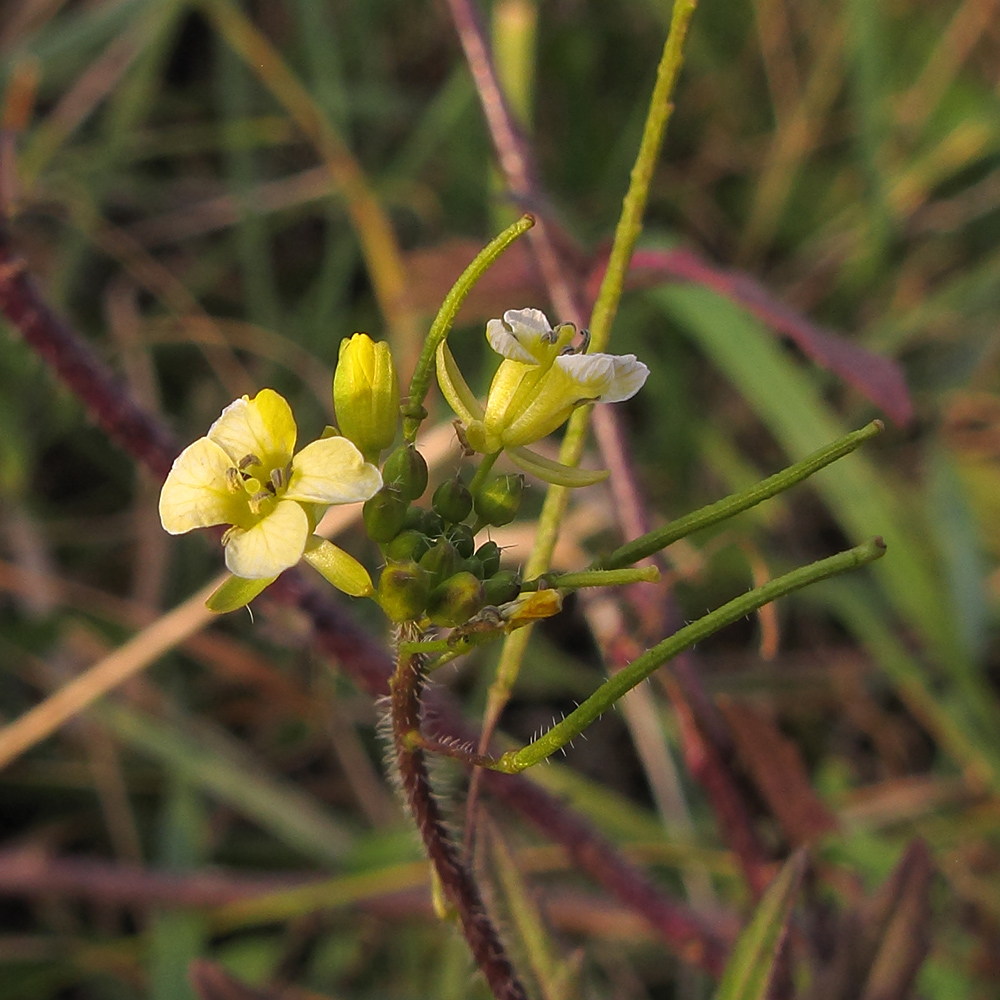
(196, 494)
(592, 373)
(522, 335)
(332, 470)
(262, 426)
(629, 377)
(274, 544)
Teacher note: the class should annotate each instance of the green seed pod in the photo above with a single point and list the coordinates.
(499, 498)
(460, 535)
(471, 565)
(489, 555)
(425, 521)
(384, 514)
(456, 600)
(403, 589)
(408, 544)
(502, 587)
(406, 469)
(452, 500)
(440, 561)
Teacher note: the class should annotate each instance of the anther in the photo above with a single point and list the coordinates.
(247, 460)
(257, 499)
(233, 482)
(277, 480)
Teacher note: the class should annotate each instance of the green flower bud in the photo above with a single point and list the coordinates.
(406, 469)
(403, 589)
(408, 544)
(366, 394)
(384, 514)
(489, 555)
(456, 600)
(502, 587)
(452, 500)
(460, 535)
(425, 521)
(499, 498)
(440, 561)
(471, 565)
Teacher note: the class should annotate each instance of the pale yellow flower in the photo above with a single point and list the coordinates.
(245, 473)
(541, 380)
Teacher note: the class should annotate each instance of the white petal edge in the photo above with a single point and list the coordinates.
(274, 544)
(195, 494)
(332, 470)
(522, 335)
(262, 426)
(630, 376)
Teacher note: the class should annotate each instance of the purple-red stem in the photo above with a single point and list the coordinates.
(456, 880)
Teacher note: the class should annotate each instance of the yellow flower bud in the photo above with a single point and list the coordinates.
(366, 394)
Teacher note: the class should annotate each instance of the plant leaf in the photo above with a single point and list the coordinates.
(751, 966)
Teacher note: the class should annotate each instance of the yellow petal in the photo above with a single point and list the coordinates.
(536, 414)
(262, 426)
(332, 470)
(454, 388)
(195, 494)
(274, 544)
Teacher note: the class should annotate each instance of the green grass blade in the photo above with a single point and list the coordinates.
(751, 966)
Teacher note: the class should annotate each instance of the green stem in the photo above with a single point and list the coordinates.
(482, 472)
(629, 226)
(639, 669)
(734, 504)
(595, 578)
(605, 308)
(413, 408)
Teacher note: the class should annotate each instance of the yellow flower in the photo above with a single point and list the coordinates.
(541, 380)
(244, 473)
(366, 393)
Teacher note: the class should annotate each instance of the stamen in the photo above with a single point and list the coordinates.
(247, 460)
(257, 500)
(228, 534)
(277, 479)
(233, 482)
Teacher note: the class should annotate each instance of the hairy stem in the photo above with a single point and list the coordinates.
(456, 879)
(638, 670)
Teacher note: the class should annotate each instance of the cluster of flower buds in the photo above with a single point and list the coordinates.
(433, 567)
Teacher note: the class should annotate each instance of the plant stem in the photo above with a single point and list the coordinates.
(605, 308)
(482, 472)
(638, 670)
(456, 880)
(726, 508)
(595, 578)
(413, 407)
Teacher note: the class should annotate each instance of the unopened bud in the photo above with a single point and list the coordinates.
(406, 469)
(402, 591)
(453, 501)
(456, 600)
(499, 498)
(460, 535)
(408, 544)
(366, 394)
(384, 514)
(440, 561)
(489, 555)
(502, 587)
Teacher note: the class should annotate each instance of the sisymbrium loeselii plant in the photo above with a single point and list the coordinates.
(442, 582)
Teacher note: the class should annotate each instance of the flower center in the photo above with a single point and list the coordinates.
(262, 484)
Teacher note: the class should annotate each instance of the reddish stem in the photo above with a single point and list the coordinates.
(456, 880)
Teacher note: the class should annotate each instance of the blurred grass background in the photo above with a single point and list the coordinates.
(216, 193)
